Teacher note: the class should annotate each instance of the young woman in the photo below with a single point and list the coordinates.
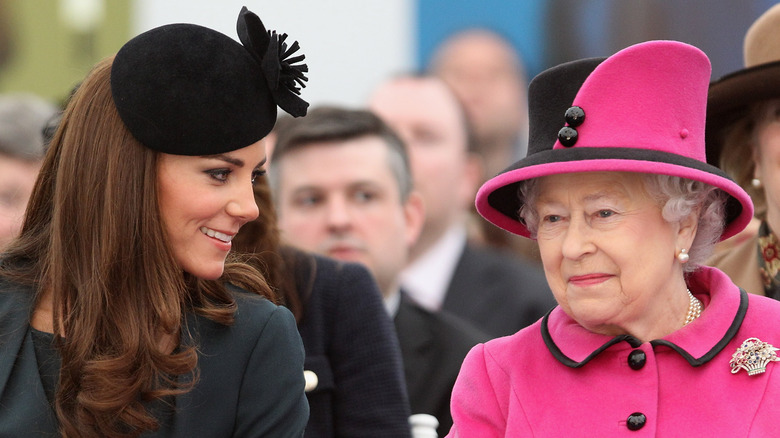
(119, 315)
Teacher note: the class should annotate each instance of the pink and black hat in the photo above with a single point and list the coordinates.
(640, 110)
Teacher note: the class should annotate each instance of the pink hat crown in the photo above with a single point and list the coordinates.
(648, 96)
(640, 110)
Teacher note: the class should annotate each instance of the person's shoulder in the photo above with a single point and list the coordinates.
(450, 323)
(526, 341)
(763, 307)
(333, 270)
(339, 280)
(733, 252)
(253, 309)
(14, 294)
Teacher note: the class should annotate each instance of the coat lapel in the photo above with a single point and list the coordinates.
(15, 303)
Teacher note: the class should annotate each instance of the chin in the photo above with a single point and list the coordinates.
(207, 272)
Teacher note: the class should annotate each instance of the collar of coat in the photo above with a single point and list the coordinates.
(698, 342)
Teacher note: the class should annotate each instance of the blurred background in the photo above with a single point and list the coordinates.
(47, 46)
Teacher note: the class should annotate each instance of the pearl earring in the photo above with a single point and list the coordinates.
(683, 257)
(756, 183)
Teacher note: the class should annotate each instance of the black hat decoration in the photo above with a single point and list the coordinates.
(185, 89)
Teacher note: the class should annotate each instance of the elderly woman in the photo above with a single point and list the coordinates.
(618, 195)
(743, 138)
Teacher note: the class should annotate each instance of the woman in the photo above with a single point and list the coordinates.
(743, 138)
(355, 383)
(118, 313)
(623, 207)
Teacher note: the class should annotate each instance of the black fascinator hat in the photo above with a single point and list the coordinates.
(184, 89)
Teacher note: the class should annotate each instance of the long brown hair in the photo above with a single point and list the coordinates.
(94, 239)
(289, 271)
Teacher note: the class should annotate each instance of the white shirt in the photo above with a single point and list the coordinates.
(392, 303)
(426, 280)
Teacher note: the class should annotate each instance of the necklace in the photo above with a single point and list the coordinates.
(694, 308)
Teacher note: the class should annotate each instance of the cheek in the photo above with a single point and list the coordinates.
(301, 228)
(769, 141)
(551, 255)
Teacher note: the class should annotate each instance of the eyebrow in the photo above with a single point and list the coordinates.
(234, 161)
(600, 195)
(587, 198)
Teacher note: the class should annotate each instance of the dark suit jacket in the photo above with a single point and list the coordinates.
(251, 375)
(433, 346)
(351, 345)
(497, 291)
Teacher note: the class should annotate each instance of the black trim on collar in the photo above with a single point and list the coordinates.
(635, 343)
(730, 333)
(562, 358)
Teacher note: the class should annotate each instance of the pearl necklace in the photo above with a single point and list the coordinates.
(694, 308)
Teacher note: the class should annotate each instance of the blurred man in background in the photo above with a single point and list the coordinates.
(343, 188)
(496, 291)
(23, 118)
(487, 75)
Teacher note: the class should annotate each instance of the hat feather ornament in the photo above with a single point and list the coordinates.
(283, 73)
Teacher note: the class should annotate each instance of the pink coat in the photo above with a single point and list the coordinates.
(556, 379)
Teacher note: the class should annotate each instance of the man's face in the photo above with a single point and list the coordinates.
(487, 76)
(427, 117)
(342, 200)
(17, 179)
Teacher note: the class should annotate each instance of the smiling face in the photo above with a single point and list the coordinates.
(341, 199)
(204, 201)
(608, 253)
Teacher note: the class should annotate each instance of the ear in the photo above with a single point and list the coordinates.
(472, 178)
(687, 229)
(414, 213)
(756, 158)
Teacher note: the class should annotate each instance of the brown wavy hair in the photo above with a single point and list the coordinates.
(93, 238)
(290, 272)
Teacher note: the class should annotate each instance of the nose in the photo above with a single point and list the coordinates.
(578, 240)
(337, 214)
(243, 205)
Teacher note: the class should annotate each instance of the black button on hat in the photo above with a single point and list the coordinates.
(575, 116)
(636, 421)
(637, 359)
(567, 136)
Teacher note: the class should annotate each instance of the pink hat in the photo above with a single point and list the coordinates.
(640, 110)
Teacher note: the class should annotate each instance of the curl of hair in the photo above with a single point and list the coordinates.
(677, 197)
(93, 239)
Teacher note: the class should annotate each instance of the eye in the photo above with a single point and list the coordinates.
(364, 196)
(603, 214)
(257, 174)
(220, 175)
(308, 200)
(552, 218)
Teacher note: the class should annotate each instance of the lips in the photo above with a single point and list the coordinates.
(589, 279)
(342, 250)
(217, 235)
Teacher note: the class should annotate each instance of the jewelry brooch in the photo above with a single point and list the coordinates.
(753, 356)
